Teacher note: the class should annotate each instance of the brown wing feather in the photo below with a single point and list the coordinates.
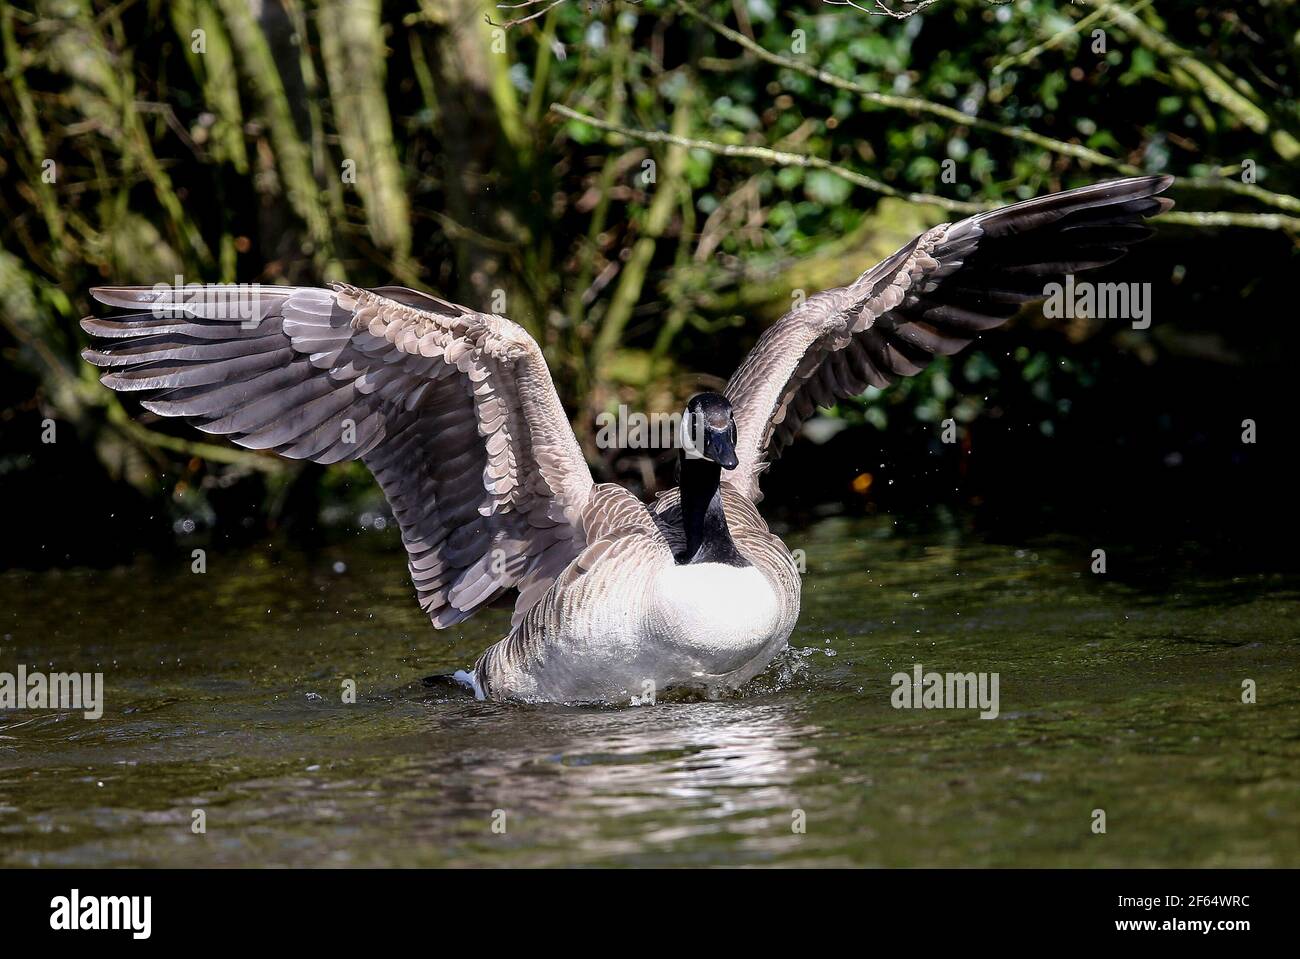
(932, 297)
(453, 411)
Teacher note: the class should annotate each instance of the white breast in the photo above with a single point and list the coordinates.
(720, 616)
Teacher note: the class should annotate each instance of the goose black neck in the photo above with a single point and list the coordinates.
(708, 540)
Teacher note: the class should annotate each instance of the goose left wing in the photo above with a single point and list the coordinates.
(932, 297)
(453, 411)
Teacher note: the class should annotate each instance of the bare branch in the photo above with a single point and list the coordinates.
(880, 10)
(1262, 221)
(516, 6)
(779, 157)
(523, 4)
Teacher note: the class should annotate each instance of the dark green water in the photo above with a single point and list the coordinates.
(224, 694)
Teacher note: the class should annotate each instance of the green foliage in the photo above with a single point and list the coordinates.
(224, 165)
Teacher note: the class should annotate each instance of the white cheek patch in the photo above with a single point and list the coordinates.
(688, 437)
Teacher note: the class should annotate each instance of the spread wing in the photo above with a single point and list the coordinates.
(932, 297)
(453, 411)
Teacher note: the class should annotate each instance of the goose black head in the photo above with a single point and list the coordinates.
(709, 430)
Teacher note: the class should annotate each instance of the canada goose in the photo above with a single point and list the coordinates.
(455, 413)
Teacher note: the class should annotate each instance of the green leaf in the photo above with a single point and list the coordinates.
(826, 188)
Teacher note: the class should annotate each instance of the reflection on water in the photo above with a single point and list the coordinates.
(224, 695)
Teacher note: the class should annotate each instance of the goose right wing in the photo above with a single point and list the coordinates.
(453, 411)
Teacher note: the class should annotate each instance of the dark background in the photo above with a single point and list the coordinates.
(171, 162)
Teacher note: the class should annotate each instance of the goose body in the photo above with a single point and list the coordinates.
(455, 414)
(630, 620)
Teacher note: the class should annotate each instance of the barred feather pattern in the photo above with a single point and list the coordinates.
(452, 410)
(931, 298)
